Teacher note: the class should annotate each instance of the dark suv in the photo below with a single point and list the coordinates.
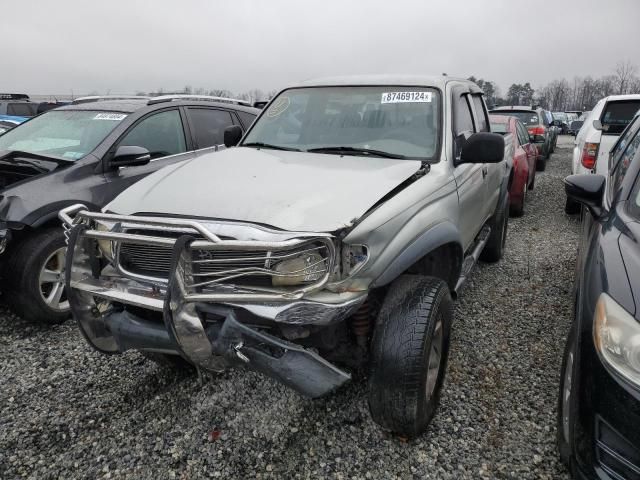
(89, 152)
(538, 125)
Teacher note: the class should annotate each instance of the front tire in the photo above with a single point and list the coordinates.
(35, 280)
(494, 249)
(409, 354)
(566, 399)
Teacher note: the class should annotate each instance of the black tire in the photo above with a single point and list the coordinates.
(517, 209)
(548, 154)
(532, 184)
(415, 316)
(22, 277)
(172, 362)
(541, 164)
(494, 249)
(571, 207)
(568, 366)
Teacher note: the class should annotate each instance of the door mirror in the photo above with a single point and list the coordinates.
(130, 156)
(588, 190)
(232, 135)
(597, 124)
(483, 147)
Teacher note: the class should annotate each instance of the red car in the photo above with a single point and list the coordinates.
(524, 159)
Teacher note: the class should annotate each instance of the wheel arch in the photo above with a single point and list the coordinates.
(437, 252)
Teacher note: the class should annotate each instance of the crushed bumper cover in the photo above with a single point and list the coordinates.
(210, 346)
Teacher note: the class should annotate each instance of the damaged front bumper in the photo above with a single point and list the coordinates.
(204, 330)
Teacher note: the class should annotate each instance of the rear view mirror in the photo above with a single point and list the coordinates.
(130, 156)
(232, 136)
(483, 147)
(586, 189)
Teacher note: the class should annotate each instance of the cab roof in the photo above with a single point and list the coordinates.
(437, 81)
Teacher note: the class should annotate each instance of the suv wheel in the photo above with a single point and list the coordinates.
(494, 249)
(35, 278)
(409, 354)
(566, 400)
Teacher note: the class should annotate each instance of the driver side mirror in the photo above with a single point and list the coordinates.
(597, 124)
(232, 136)
(130, 156)
(483, 147)
(588, 190)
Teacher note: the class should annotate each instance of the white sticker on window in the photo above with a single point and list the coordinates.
(110, 116)
(406, 97)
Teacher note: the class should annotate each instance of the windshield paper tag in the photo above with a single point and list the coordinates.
(109, 116)
(406, 97)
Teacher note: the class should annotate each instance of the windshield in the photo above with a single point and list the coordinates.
(402, 121)
(67, 134)
(560, 116)
(528, 118)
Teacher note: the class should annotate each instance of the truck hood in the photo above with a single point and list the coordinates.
(294, 191)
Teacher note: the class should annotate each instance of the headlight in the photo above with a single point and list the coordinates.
(307, 267)
(105, 246)
(617, 338)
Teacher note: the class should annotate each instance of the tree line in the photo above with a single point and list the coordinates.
(581, 93)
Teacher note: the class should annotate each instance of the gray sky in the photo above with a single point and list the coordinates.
(125, 46)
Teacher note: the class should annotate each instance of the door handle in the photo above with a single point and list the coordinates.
(485, 170)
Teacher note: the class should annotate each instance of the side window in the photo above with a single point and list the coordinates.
(620, 169)
(523, 134)
(208, 125)
(481, 113)
(162, 134)
(246, 119)
(462, 123)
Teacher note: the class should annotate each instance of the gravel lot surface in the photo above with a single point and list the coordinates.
(69, 412)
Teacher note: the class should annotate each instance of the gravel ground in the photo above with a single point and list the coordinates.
(68, 412)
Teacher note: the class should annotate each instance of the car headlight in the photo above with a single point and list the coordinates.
(105, 246)
(306, 267)
(617, 338)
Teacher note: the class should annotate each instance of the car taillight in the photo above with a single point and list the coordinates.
(589, 155)
(537, 130)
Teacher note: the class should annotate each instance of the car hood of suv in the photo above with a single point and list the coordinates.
(294, 191)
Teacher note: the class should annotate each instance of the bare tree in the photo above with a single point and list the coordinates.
(625, 73)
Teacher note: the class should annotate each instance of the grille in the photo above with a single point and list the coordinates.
(212, 267)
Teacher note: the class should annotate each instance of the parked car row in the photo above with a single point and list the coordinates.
(327, 232)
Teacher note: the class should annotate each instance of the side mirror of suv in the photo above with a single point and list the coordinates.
(588, 190)
(597, 124)
(130, 156)
(483, 147)
(232, 135)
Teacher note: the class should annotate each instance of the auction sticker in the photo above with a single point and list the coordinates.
(279, 106)
(110, 116)
(406, 97)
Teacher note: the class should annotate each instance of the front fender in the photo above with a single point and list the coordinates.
(437, 236)
(49, 212)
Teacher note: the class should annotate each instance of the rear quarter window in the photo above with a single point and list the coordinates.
(617, 115)
(22, 109)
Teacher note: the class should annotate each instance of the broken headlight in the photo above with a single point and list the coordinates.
(354, 258)
(306, 267)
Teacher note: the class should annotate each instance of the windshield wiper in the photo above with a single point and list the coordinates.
(29, 163)
(269, 146)
(356, 151)
(36, 156)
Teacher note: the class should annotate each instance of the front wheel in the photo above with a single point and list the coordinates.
(566, 398)
(409, 354)
(494, 249)
(35, 278)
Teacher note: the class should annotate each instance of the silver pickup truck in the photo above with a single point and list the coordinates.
(333, 235)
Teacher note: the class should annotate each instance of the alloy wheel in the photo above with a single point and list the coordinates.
(51, 281)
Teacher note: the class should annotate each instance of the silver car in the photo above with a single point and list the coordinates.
(333, 235)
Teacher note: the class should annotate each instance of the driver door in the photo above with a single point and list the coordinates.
(163, 134)
(469, 177)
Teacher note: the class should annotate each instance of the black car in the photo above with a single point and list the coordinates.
(599, 401)
(88, 152)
